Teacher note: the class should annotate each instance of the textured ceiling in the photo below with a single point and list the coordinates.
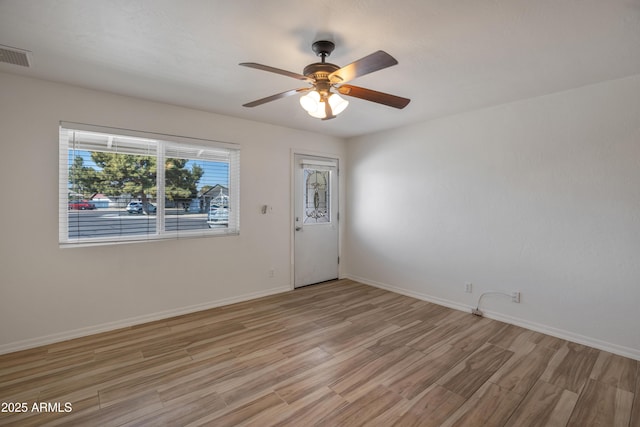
(453, 56)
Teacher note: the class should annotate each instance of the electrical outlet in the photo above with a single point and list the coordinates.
(272, 272)
(515, 296)
(468, 287)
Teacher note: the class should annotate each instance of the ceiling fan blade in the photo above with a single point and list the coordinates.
(374, 96)
(276, 96)
(374, 62)
(276, 70)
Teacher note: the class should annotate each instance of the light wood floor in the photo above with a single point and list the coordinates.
(336, 354)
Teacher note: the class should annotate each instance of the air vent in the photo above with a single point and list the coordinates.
(12, 55)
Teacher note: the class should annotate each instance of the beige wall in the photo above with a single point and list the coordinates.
(48, 293)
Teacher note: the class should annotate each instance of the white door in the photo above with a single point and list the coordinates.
(315, 220)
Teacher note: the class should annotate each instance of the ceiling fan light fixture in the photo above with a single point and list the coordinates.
(319, 113)
(310, 101)
(314, 104)
(337, 103)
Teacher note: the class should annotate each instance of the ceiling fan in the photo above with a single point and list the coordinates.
(319, 100)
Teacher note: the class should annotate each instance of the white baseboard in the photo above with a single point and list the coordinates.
(538, 327)
(110, 326)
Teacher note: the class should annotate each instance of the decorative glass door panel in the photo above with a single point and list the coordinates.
(317, 198)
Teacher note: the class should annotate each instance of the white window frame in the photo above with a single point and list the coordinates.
(69, 132)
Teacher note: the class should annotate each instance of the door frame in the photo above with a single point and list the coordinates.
(292, 204)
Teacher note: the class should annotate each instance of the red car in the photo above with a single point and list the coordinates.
(81, 205)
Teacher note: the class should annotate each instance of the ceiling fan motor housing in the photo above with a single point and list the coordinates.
(319, 72)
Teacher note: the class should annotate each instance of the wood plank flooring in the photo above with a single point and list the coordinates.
(335, 354)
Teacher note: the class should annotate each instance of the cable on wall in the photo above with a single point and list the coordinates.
(476, 311)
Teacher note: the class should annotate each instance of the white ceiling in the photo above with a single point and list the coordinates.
(454, 55)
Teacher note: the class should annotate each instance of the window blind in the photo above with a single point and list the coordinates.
(118, 186)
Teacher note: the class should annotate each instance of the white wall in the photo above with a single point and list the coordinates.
(48, 293)
(540, 196)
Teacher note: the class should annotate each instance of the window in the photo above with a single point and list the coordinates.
(112, 190)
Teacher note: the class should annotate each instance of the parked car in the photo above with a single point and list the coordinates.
(218, 216)
(81, 205)
(138, 208)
